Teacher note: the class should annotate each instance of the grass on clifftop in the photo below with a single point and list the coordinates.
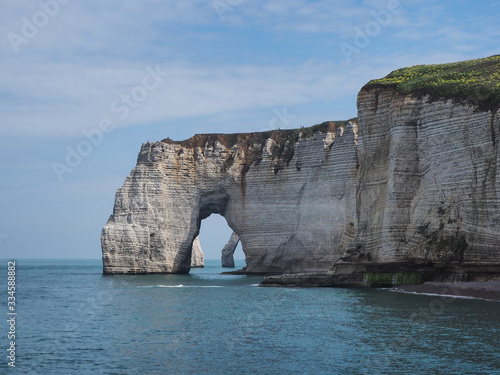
(475, 81)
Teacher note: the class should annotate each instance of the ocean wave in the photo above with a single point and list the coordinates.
(440, 295)
(180, 286)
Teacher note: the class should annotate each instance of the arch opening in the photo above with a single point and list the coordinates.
(214, 235)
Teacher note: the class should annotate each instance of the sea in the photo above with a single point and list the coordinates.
(72, 319)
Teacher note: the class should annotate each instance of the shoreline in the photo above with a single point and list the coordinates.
(486, 290)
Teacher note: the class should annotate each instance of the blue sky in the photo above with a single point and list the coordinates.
(69, 66)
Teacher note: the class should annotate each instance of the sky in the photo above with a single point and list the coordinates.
(84, 83)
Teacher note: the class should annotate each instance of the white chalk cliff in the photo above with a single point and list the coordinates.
(428, 186)
(419, 184)
(284, 193)
(197, 256)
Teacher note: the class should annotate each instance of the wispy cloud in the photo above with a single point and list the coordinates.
(65, 98)
(66, 78)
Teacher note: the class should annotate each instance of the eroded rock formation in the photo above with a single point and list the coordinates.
(418, 193)
(228, 251)
(428, 186)
(197, 256)
(427, 190)
(286, 194)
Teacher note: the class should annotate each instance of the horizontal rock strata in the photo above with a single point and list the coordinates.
(427, 194)
(372, 274)
(428, 185)
(286, 194)
(414, 196)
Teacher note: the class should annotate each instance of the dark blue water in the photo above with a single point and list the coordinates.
(73, 320)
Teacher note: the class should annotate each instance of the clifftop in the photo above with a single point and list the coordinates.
(280, 136)
(475, 81)
(282, 149)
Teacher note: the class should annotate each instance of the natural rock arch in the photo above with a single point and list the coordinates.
(422, 186)
(211, 203)
(302, 202)
(284, 193)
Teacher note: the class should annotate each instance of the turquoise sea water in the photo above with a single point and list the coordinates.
(73, 320)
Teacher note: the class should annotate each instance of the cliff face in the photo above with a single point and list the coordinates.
(426, 196)
(428, 187)
(417, 191)
(286, 194)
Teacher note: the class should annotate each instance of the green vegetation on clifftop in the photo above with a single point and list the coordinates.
(475, 81)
